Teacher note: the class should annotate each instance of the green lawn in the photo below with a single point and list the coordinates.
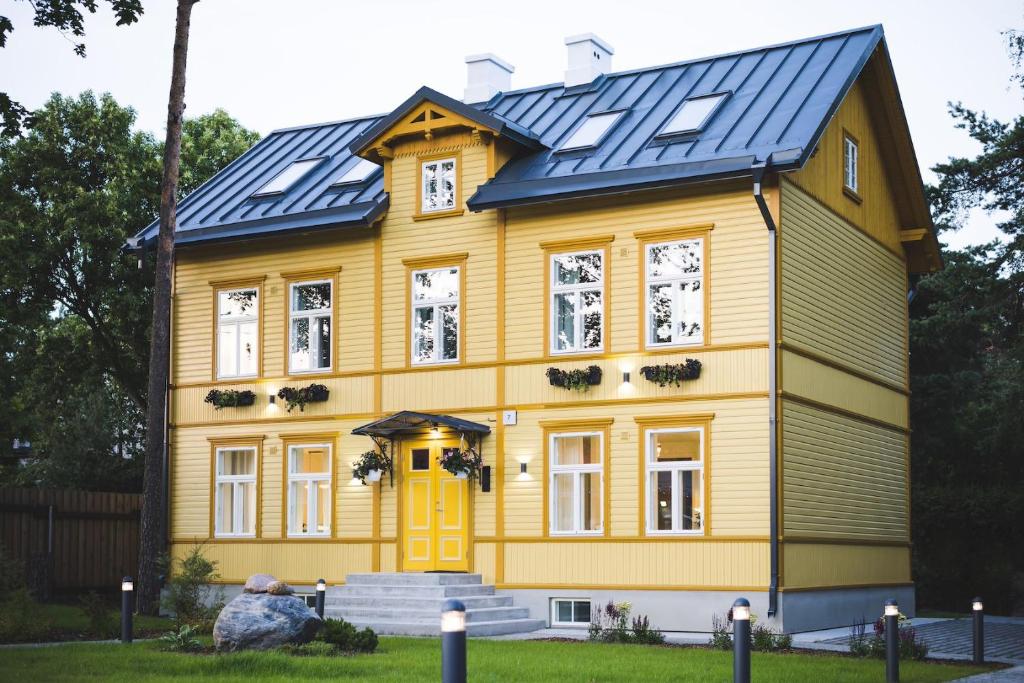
(412, 659)
(65, 621)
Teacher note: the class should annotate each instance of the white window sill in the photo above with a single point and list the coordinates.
(676, 345)
(677, 534)
(326, 534)
(578, 534)
(217, 535)
(428, 363)
(314, 371)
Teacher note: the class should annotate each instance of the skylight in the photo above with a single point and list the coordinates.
(693, 115)
(286, 178)
(592, 130)
(358, 173)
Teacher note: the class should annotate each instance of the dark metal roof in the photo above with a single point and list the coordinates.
(408, 421)
(781, 98)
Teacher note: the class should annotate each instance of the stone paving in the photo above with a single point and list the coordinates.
(1004, 638)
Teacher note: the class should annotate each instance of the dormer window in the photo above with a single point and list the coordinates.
(694, 115)
(280, 183)
(438, 185)
(358, 173)
(592, 131)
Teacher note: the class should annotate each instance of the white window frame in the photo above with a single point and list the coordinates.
(555, 623)
(287, 177)
(851, 158)
(363, 169)
(572, 143)
(423, 184)
(312, 315)
(312, 504)
(436, 304)
(669, 131)
(577, 290)
(651, 465)
(237, 322)
(676, 298)
(237, 482)
(577, 479)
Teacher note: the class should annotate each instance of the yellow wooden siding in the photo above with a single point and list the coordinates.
(843, 295)
(292, 562)
(808, 565)
(443, 390)
(388, 554)
(686, 564)
(738, 493)
(842, 477)
(483, 561)
(823, 384)
(822, 177)
(738, 263)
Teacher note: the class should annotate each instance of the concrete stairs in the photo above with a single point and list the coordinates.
(410, 604)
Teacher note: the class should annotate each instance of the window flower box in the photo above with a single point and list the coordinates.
(230, 398)
(579, 379)
(672, 373)
(314, 393)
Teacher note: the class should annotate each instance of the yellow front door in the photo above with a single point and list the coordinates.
(436, 511)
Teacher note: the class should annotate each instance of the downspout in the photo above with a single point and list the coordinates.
(759, 170)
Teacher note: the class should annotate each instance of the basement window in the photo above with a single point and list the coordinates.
(288, 177)
(591, 131)
(358, 173)
(570, 612)
(693, 115)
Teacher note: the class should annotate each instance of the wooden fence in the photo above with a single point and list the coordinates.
(71, 540)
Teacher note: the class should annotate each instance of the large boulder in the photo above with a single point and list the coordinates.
(260, 621)
(258, 583)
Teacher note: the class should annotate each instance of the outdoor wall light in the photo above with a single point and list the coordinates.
(625, 377)
(273, 398)
(435, 430)
(522, 468)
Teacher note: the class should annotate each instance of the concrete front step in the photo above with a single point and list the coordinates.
(410, 579)
(473, 628)
(446, 591)
(425, 616)
(405, 602)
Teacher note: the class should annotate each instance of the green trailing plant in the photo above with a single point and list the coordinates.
(314, 393)
(459, 460)
(579, 379)
(181, 640)
(190, 594)
(672, 373)
(346, 637)
(372, 460)
(101, 623)
(612, 624)
(230, 398)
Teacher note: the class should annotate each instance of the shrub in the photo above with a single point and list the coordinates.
(721, 638)
(19, 617)
(190, 596)
(909, 645)
(644, 634)
(182, 640)
(12, 574)
(612, 625)
(765, 639)
(317, 648)
(346, 638)
(97, 613)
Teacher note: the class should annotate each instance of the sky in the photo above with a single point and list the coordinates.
(274, 64)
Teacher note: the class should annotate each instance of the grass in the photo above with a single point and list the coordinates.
(414, 659)
(66, 621)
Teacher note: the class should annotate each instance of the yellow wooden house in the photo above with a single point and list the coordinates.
(666, 307)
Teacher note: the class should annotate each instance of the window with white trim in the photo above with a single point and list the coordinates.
(437, 186)
(435, 315)
(570, 612)
(850, 154)
(675, 480)
(577, 302)
(675, 293)
(576, 483)
(238, 332)
(309, 490)
(310, 315)
(235, 487)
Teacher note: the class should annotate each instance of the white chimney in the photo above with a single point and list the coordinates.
(486, 75)
(589, 57)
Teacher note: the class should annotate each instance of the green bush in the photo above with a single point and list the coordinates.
(345, 637)
(20, 620)
(182, 640)
(12, 574)
(190, 595)
(101, 623)
(721, 638)
(317, 648)
(765, 639)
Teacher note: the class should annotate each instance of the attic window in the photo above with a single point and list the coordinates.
(594, 128)
(288, 177)
(358, 173)
(693, 115)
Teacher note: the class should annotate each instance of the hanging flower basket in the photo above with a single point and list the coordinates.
(464, 463)
(371, 465)
(579, 379)
(230, 398)
(670, 373)
(314, 393)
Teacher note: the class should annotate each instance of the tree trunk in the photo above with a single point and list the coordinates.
(153, 534)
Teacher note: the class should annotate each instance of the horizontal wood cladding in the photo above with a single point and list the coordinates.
(843, 478)
(294, 563)
(843, 295)
(643, 565)
(807, 565)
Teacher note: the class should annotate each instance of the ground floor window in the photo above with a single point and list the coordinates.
(570, 612)
(675, 480)
(309, 490)
(576, 484)
(235, 492)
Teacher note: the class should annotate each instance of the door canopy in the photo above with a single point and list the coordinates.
(408, 422)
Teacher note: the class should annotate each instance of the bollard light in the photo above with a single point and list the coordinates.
(453, 642)
(892, 641)
(741, 641)
(321, 597)
(127, 591)
(978, 618)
